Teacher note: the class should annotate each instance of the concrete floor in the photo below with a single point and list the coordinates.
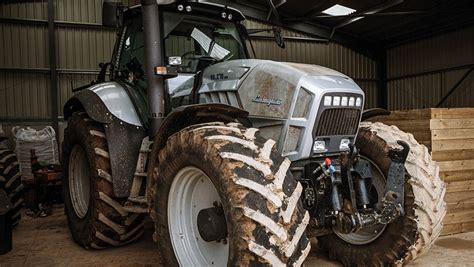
(47, 242)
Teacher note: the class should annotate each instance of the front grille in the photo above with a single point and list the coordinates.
(338, 121)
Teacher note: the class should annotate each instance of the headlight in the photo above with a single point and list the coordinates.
(327, 101)
(344, 101)
(351, 101)
(319, 146)
(344, 146)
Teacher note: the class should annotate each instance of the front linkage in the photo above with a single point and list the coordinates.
(345, 185)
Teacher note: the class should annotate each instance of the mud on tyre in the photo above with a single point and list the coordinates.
(95, 217)
(412, 234)
(10, 181)
(261, 201)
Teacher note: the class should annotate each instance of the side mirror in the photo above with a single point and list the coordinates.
(111, 10)
(279, 40)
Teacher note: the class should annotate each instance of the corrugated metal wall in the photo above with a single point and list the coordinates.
(420, 74)
(24, 55)
(81, 44)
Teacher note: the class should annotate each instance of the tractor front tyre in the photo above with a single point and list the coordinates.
(410, 235)
(95, 217)
(223, 196)
(10, 181)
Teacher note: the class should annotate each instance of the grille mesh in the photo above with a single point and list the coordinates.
(338, 121)
(228, 98)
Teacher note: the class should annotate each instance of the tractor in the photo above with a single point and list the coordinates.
(237, 161)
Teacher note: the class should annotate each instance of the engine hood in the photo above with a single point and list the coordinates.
(231, 74)
(268, 88)
(284, 100)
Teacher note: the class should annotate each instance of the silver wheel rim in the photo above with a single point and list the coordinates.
(79, 181)
(192, 191)
(369, 234)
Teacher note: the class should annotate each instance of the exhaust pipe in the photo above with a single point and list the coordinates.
(153, 58)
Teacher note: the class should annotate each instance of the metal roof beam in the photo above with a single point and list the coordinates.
(429, 27)
(323, 5)
(408, 22)
(384, 6)
(359, 45)
(399, 13)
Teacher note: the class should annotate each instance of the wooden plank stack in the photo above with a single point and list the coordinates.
(449, 135)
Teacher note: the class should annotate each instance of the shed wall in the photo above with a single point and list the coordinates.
(420, 74)
(82, 44)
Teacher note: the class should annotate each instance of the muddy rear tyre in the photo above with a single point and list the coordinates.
(96, 218)
(413, 234)
(10, 181)
(261, 201)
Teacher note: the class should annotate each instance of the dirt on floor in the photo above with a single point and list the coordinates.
(47, 242)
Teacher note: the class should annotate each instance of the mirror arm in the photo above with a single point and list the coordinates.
(254, 31)
(103, 71)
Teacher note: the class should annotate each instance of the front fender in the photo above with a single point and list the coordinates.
(373, 112)
(184, 116)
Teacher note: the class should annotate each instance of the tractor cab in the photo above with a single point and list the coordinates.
(196, 36)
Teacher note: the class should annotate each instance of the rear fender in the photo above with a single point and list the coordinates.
(110, 105)
(102, 102)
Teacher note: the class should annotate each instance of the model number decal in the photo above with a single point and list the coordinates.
(267, 101)
(219, 76)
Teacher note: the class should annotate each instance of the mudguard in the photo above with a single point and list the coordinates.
(102, 102)
(109, 104)
(373, 112)
(184, 116)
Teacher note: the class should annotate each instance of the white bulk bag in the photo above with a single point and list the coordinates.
(42, 141)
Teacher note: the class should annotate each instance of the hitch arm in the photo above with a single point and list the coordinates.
(392, 203)
(395, 186)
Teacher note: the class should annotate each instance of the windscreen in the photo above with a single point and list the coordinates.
(200, 42)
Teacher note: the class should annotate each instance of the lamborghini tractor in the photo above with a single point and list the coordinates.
(238, 161)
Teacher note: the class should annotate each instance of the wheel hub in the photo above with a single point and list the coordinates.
(211, 224)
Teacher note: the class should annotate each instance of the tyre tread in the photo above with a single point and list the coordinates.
(10, 181)
(426, 184)
(243, 148)
(110, 222)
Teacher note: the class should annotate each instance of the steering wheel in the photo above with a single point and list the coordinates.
(198, 57)
(186, 54)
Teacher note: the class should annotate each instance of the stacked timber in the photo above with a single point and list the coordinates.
(449, 135)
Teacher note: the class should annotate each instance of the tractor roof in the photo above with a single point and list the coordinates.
(202, 8)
